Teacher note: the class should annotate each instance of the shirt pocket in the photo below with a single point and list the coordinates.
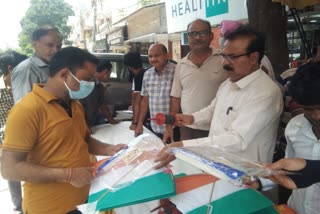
(230, 117)
(166, 88)
(160, 89)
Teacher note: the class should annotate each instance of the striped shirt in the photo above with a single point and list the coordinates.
(158, 87)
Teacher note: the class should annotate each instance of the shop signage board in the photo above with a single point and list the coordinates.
(181, 12)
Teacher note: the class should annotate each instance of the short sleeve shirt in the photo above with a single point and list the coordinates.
(197, 86)
(158, 87)
(40, 126)
(30, 71)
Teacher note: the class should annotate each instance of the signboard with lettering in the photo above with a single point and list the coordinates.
(181, 12)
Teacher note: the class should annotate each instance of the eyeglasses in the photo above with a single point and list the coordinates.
(201, 33)
(232, 58)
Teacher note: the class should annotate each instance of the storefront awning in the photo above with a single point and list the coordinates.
(155, 37)
(298, 4)
(145, 38)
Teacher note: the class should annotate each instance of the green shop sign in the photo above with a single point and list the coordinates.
(216, 7)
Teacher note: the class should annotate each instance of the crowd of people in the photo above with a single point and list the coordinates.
(227, 97)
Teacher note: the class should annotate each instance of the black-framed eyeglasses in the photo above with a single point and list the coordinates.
(231, 58)
(201, 33)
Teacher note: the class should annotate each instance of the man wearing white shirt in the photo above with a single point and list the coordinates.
(245, 113)
(196, 80)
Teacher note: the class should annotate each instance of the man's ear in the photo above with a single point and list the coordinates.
(34, 44)
(255, 56)
(212, 36)
(10, 68)
(63, 74)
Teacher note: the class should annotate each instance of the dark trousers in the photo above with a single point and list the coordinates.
(187, 133)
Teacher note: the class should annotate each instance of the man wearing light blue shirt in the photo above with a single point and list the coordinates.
(46, 41)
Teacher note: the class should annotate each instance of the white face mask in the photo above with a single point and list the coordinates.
(84, 90)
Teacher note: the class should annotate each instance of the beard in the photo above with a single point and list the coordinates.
(228, 68)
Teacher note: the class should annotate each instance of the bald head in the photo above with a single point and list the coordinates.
(159, 46)
(158, 56)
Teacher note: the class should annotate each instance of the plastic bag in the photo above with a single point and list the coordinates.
(129, 164)
(222, 163)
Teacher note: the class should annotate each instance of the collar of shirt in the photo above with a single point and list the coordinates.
(166, 69)
(64, 105)
(38, 89)
(247, 80)
(215, 52)
(38, 61)
(302, 122)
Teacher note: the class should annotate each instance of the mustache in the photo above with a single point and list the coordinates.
(228, 68)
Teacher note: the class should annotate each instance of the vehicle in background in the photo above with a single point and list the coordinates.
(118, 89)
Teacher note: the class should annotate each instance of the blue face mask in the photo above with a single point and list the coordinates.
(84, 90)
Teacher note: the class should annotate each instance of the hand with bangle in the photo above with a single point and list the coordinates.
(78, 177)
(68, 179)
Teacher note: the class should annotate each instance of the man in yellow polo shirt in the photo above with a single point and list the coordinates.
(47, 144)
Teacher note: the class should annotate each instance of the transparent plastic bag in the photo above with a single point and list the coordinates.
(222, 163)
(129, 164)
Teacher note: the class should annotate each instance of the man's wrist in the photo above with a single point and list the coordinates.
(259, 185)
(176, 144)
(169, 126)
(66, 175)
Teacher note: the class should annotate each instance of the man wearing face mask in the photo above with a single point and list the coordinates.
(46, 41)
(95, 107)
(51, 150)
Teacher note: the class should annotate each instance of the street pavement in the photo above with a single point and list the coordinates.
(6, 206)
